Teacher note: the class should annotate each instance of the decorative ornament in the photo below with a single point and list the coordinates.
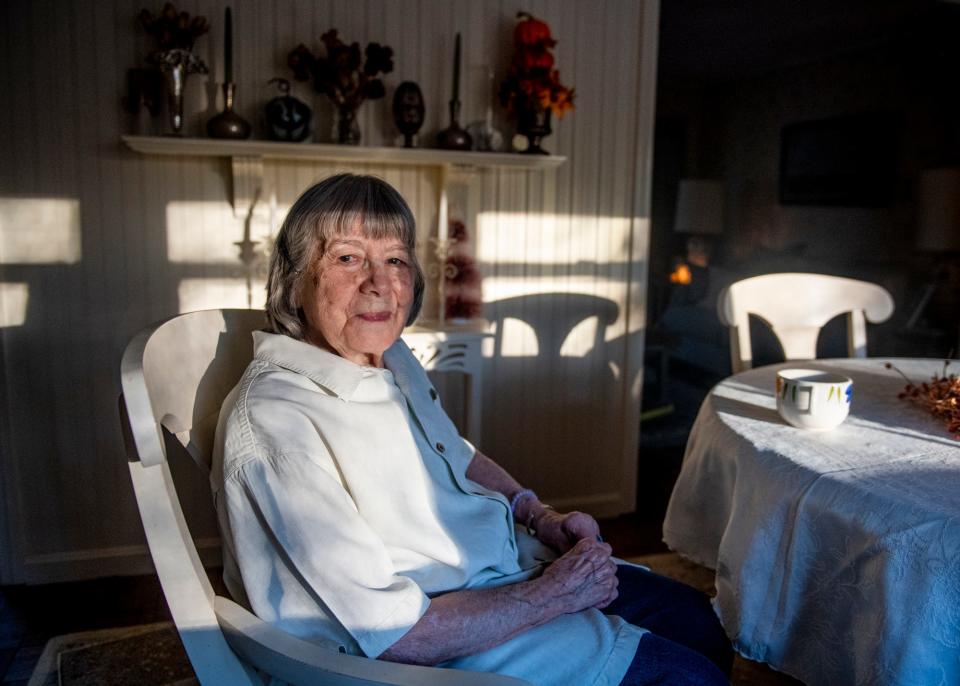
(485, 137)
(288, 119)
(408, 111)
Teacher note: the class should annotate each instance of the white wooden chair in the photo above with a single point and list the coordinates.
(174, 376)
(796, 306)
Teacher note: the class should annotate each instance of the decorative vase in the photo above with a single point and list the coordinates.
(176, 65)
(535, 125)
(346, 129)
(228, 124)
(175, 77)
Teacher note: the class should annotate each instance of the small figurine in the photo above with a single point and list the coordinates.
(408, 111)
(288, 119)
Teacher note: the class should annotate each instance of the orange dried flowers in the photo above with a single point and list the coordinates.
(532, 83)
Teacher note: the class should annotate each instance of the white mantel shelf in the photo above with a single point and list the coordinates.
(246, 160)
(209, 147)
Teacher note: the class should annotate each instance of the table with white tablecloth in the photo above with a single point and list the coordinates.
(837, 553)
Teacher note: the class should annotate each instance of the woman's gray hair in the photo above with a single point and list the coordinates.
(334, 207)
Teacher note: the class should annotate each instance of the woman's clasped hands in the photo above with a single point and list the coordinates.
(583, 577)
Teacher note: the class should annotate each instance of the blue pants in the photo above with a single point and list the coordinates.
(686, 645)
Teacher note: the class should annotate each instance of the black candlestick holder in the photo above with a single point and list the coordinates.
(228, 124)
(453, 137)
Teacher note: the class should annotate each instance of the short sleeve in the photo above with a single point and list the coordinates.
(292, 508)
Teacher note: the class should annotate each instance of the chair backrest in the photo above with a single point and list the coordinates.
(796, 306)
(189, 364)
(175, 376)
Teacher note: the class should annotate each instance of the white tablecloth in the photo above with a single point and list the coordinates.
(837, 553)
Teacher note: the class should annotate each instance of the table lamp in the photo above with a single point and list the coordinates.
(699, 214)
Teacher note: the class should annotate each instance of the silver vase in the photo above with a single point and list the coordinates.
(175, 78)
(176, 65)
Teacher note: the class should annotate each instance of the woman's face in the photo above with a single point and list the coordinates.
(358, 297)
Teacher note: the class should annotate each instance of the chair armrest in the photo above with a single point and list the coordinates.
(304, 663)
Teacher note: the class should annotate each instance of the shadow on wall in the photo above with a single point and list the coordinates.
(551, 356)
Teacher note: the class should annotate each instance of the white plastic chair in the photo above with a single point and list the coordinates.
(796, 306)
(174, 376)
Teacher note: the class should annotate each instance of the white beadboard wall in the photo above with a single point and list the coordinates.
(97, 241)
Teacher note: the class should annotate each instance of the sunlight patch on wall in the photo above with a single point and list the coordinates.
(206, 294)
(39, 231)
(14, 298)
(204, 232)
(546, 238)
(518, 339)
(581, 339)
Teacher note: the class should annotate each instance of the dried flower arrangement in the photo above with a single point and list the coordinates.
(172, 29)
(175, 33)
(940, 396)
(340, 75)
(532, 82)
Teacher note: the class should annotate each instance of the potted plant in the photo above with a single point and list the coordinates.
(344, 76)
(532, 90)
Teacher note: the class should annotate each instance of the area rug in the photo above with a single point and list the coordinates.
(152, 655)
(144, 655)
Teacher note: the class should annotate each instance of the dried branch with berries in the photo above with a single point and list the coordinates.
(940, 396)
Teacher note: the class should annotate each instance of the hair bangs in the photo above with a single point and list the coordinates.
(377, 209)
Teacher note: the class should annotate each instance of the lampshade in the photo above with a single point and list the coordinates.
(938, 210)
(699, 207)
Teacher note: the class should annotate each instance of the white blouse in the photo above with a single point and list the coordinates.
(344, 505)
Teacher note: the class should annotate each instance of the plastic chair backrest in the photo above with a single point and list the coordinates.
(175, 376)
(796, 306)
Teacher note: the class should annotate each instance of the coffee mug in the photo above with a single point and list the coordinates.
(812, 399)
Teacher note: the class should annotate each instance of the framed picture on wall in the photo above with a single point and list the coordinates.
(848, 161)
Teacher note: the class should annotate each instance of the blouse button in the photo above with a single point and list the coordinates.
(433, 394)
(440, 447)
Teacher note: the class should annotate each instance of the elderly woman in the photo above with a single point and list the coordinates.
(352, 511)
